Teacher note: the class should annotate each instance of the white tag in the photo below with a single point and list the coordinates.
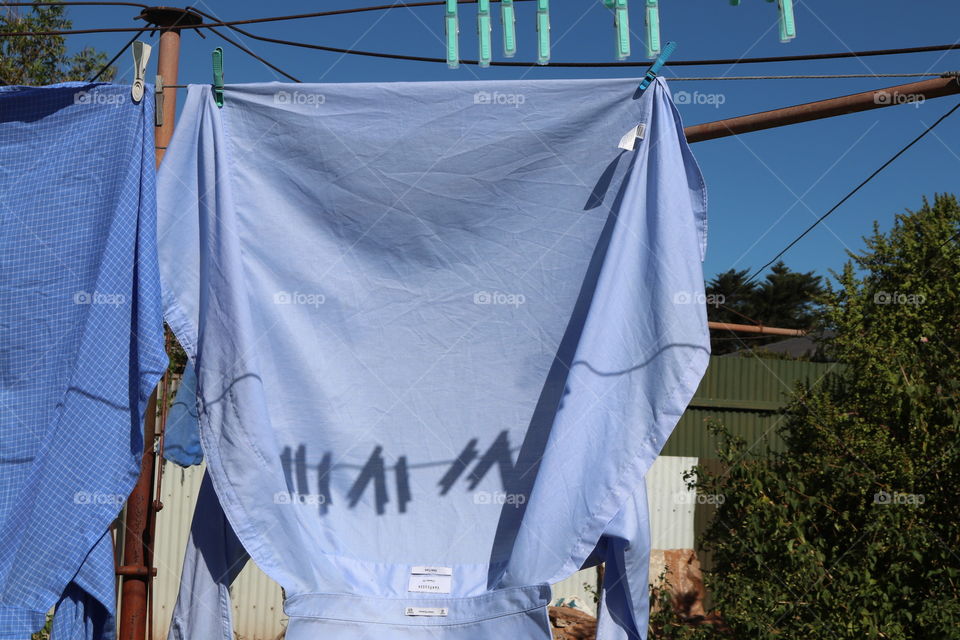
(430, 584)
(432, 571)
(425, 611)
(629, 139)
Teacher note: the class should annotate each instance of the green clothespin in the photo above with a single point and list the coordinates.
(543, 31)
(788, 27)
(484, 29)
(452, 27)
(621, 22)
(218, 76)
(509, 21)
(653, 28)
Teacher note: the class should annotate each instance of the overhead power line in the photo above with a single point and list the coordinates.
(855, 190)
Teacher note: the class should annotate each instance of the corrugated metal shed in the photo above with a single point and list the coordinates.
(257, 600)
(745, 394)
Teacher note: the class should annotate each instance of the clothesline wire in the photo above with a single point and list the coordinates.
(255, 56)
(401, 5)
(849, 195)
(116, 57)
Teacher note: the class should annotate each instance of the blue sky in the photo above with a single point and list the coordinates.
(764, 187)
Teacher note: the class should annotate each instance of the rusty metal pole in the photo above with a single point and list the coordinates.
(137, 571)
(876, 99)
(755, 328)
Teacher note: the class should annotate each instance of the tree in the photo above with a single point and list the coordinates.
(852, 531)
(784, 298)
(40, 60)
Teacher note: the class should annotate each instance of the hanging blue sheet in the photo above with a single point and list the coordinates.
(81, 345)
(441, 331)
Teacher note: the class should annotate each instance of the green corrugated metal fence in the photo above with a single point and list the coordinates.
(745, 394)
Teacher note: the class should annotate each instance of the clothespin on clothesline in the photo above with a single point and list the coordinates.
(451, 25)
(621, 23)
(484, 29)
(652, 20)
(508, 20)
(788, 26)
(654, 69)
(218, 76)
(543, 31)
(141, 55)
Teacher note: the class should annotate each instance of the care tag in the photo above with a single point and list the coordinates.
(425, 611)
(629, 139)
(430, 584)
(432, 571)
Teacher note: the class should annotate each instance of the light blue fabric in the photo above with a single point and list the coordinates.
(181, 438)
(81, 344)
(436, 325)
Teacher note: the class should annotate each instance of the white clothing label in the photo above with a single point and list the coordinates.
(430, 584)
(425, 611)
(630, 137)
(433, 571)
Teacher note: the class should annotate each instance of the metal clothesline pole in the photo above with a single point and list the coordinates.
(140, 521)
(878, 98)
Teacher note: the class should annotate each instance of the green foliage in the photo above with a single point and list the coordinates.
(44, 634)
(852, 532)
(40, 60)
(784, 298)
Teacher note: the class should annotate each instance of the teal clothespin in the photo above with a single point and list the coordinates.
(218, 76)
(484, 29)
(509, 21)
(621, 22)
(543, 31)
(654, 69)
(452, 27)
(788, 27)
(653, 28)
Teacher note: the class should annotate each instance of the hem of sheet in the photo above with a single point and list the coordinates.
(352, 608)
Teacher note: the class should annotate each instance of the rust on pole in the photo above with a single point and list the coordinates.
(756, 328)
(876, 99)
(137, 570)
